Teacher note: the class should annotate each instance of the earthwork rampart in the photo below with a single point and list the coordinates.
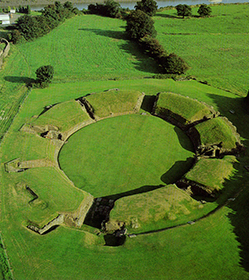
(5, 51)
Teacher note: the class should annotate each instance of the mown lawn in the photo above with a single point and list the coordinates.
(124, 153)
(216, 48)
(89, 48)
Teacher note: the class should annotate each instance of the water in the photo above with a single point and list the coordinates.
(166, 3)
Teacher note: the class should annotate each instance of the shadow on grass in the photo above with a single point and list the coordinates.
(177, 171)
(184, 140)
(148, 102)
(140, 190)
(112, 240)
(239, 217)
(20, 80)
(167, 16)
(140, 60)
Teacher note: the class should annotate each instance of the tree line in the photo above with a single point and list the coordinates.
(31, 27)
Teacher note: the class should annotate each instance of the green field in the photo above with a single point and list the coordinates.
(101, 58)
(215, 48)
(125, 153)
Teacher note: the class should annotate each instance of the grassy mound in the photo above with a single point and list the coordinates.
(52, 196)
(115, 102)
(64, 115)
(183, 109)
(125, 153)
(166, 203)
(212, 173)
(218, 131)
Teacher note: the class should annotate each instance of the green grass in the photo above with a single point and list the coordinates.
(124, 153)
(24, 145)
(212, 173)
(114, 102)
(12, 79)
(143, 256)
(64, 115)
(215, 247)
(88, 48)
(54, 196)
(167, 203)
(215, 47)
(185, 109)
(218, 130)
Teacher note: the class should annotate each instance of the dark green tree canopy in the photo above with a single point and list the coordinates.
(44, 75)
(110, 8)
(139, 24)
(183, 10)
(173, 64)
(147, 6)
(204, 10)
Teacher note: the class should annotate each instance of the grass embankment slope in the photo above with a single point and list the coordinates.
(209, 249)
(215, 47)
(138, 256)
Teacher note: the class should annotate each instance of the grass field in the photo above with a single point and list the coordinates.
(139, 252)
(100, 51)
(215, 48)
(142, 150)
(215, 247)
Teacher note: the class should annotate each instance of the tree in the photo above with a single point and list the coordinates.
(173, 64)
(44, 75)
(28, 10)
(113, 9)
(139, 24)
(68, 5)
(204, 10)
(183, 10)
(147, 6)
(152, 47)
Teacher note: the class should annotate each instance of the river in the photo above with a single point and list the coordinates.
(166, 3)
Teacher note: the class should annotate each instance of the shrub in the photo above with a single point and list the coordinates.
(183, 10)
(110, 8)
(152, 47)
(204, 10)
(15, 37)
(44, 75)
(173, 64)
(139, 24)
(147, 6)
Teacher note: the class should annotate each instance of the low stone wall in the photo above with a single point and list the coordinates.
(5, 51)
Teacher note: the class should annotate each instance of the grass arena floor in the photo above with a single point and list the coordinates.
(124, 153)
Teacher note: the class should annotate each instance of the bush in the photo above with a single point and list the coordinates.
(139, 25)
(173, 64)
(204, 10)
(31, 27)
(152, 47)
(147, 6)
(183, 10)
(110, 8)
(15, 37)
(44, 75)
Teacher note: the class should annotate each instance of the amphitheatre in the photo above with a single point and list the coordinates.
(112, 173)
